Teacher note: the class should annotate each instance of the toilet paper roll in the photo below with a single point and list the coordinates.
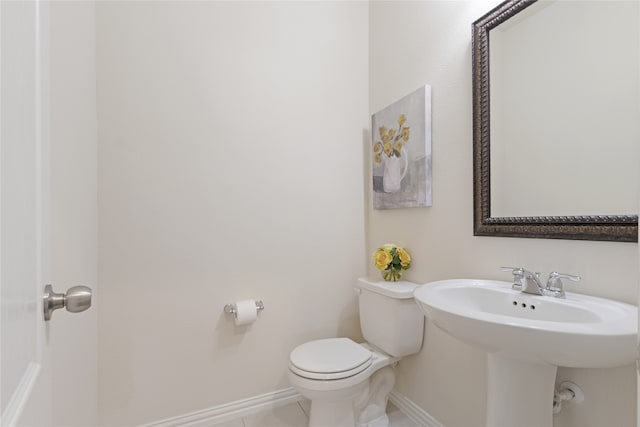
(246, 312)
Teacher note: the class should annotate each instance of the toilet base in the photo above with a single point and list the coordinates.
(362, 406)
(334, 414)
(335, 409)
(382, 421)
(372, 411)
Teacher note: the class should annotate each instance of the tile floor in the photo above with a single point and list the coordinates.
(297, 415)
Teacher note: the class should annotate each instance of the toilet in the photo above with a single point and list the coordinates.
(348, 383)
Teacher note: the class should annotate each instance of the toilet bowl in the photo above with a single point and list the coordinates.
(335, 375)
(349, 383)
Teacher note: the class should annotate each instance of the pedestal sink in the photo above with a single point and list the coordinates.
(527, 338)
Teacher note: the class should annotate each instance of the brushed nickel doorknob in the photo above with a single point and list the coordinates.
(77, 299)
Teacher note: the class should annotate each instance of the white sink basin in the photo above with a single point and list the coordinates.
(527, 338)
(579, 331)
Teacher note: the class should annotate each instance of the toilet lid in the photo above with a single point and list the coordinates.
(332, 358)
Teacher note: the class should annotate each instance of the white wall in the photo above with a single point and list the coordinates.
(230, 167)
(214, 121)
(413, 43)
(74, 211)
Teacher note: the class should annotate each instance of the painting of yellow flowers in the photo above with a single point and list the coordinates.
(401, 148)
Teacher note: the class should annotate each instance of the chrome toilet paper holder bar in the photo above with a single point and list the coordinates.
(232, 309)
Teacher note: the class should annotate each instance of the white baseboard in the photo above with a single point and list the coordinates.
(232, 410)
(413, 411)
(252, 405)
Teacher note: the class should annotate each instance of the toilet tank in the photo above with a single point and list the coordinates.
(390, 319)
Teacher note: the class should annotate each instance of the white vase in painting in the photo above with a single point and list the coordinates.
(395, 168)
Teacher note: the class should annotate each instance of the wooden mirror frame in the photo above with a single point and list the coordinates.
(620, 228)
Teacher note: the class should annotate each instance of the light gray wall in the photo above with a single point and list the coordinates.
(230, 167)
(413, 43)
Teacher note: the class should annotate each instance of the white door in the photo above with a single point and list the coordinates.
(24, 372)
(38, 359)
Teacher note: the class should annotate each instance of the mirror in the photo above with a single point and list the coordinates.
(556, 96)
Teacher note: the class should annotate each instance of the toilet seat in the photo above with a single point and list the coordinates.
(330, 359)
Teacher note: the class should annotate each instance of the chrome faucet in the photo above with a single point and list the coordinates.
(554, 283)
(531, 283)
(525, 281)
(528, 282)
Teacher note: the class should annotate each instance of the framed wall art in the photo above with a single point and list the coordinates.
(401, 143)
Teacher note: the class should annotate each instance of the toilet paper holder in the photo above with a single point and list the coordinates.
(232, 309)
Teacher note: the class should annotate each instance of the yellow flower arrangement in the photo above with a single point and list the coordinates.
(392, 260)
(391, 140)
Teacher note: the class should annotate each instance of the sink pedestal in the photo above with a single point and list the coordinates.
(519, 394)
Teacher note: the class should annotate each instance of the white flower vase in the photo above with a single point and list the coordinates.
(395, 169)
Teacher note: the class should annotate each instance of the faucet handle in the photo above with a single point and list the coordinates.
(554, 283)
(513, 270)
(518, 275)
